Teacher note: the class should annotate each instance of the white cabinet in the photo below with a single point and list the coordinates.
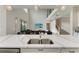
(24, 50)
(70, 50)
(49, 50)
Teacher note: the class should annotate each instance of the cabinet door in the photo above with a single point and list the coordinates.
(4, 50)
(51, 50)
(45, 50)
(26, 50)
(70, 50)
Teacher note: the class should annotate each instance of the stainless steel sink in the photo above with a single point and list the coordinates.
(40, 41)
(34, 41)
(46, 41)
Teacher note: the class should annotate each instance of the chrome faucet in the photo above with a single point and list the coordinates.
(40, 35)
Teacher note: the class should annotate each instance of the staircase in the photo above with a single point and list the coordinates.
(53, 16)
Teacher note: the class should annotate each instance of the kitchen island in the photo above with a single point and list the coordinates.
(62, 43)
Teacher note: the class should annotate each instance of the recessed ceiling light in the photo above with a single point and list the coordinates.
(26, 10)
(63, 7)
(9, 8)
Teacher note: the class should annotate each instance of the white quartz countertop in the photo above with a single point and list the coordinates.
(20, 41)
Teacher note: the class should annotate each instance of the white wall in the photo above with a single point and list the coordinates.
(78, 16)
(53, 26)
(13, 26)
(2, 20)
(75, 18)
(75, 21)
(66, 24)
(38, 16)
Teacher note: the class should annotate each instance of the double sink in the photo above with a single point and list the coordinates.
(40, 41)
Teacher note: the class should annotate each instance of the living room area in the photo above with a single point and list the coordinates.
(36, 19)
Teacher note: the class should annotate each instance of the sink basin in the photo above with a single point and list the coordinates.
(40, 41)
(46, 41)
(34, 41)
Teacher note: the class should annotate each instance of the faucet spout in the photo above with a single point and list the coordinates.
(40, 36)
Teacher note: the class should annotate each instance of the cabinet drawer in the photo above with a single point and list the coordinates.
(70, 50)
(28, 50)
(40, 50)
(49, 50)
(4, 50)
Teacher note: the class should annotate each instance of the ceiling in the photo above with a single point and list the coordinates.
(32, 6)
(63, 13)
(40, 6)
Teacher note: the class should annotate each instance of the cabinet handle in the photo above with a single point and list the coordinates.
(71, 51)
